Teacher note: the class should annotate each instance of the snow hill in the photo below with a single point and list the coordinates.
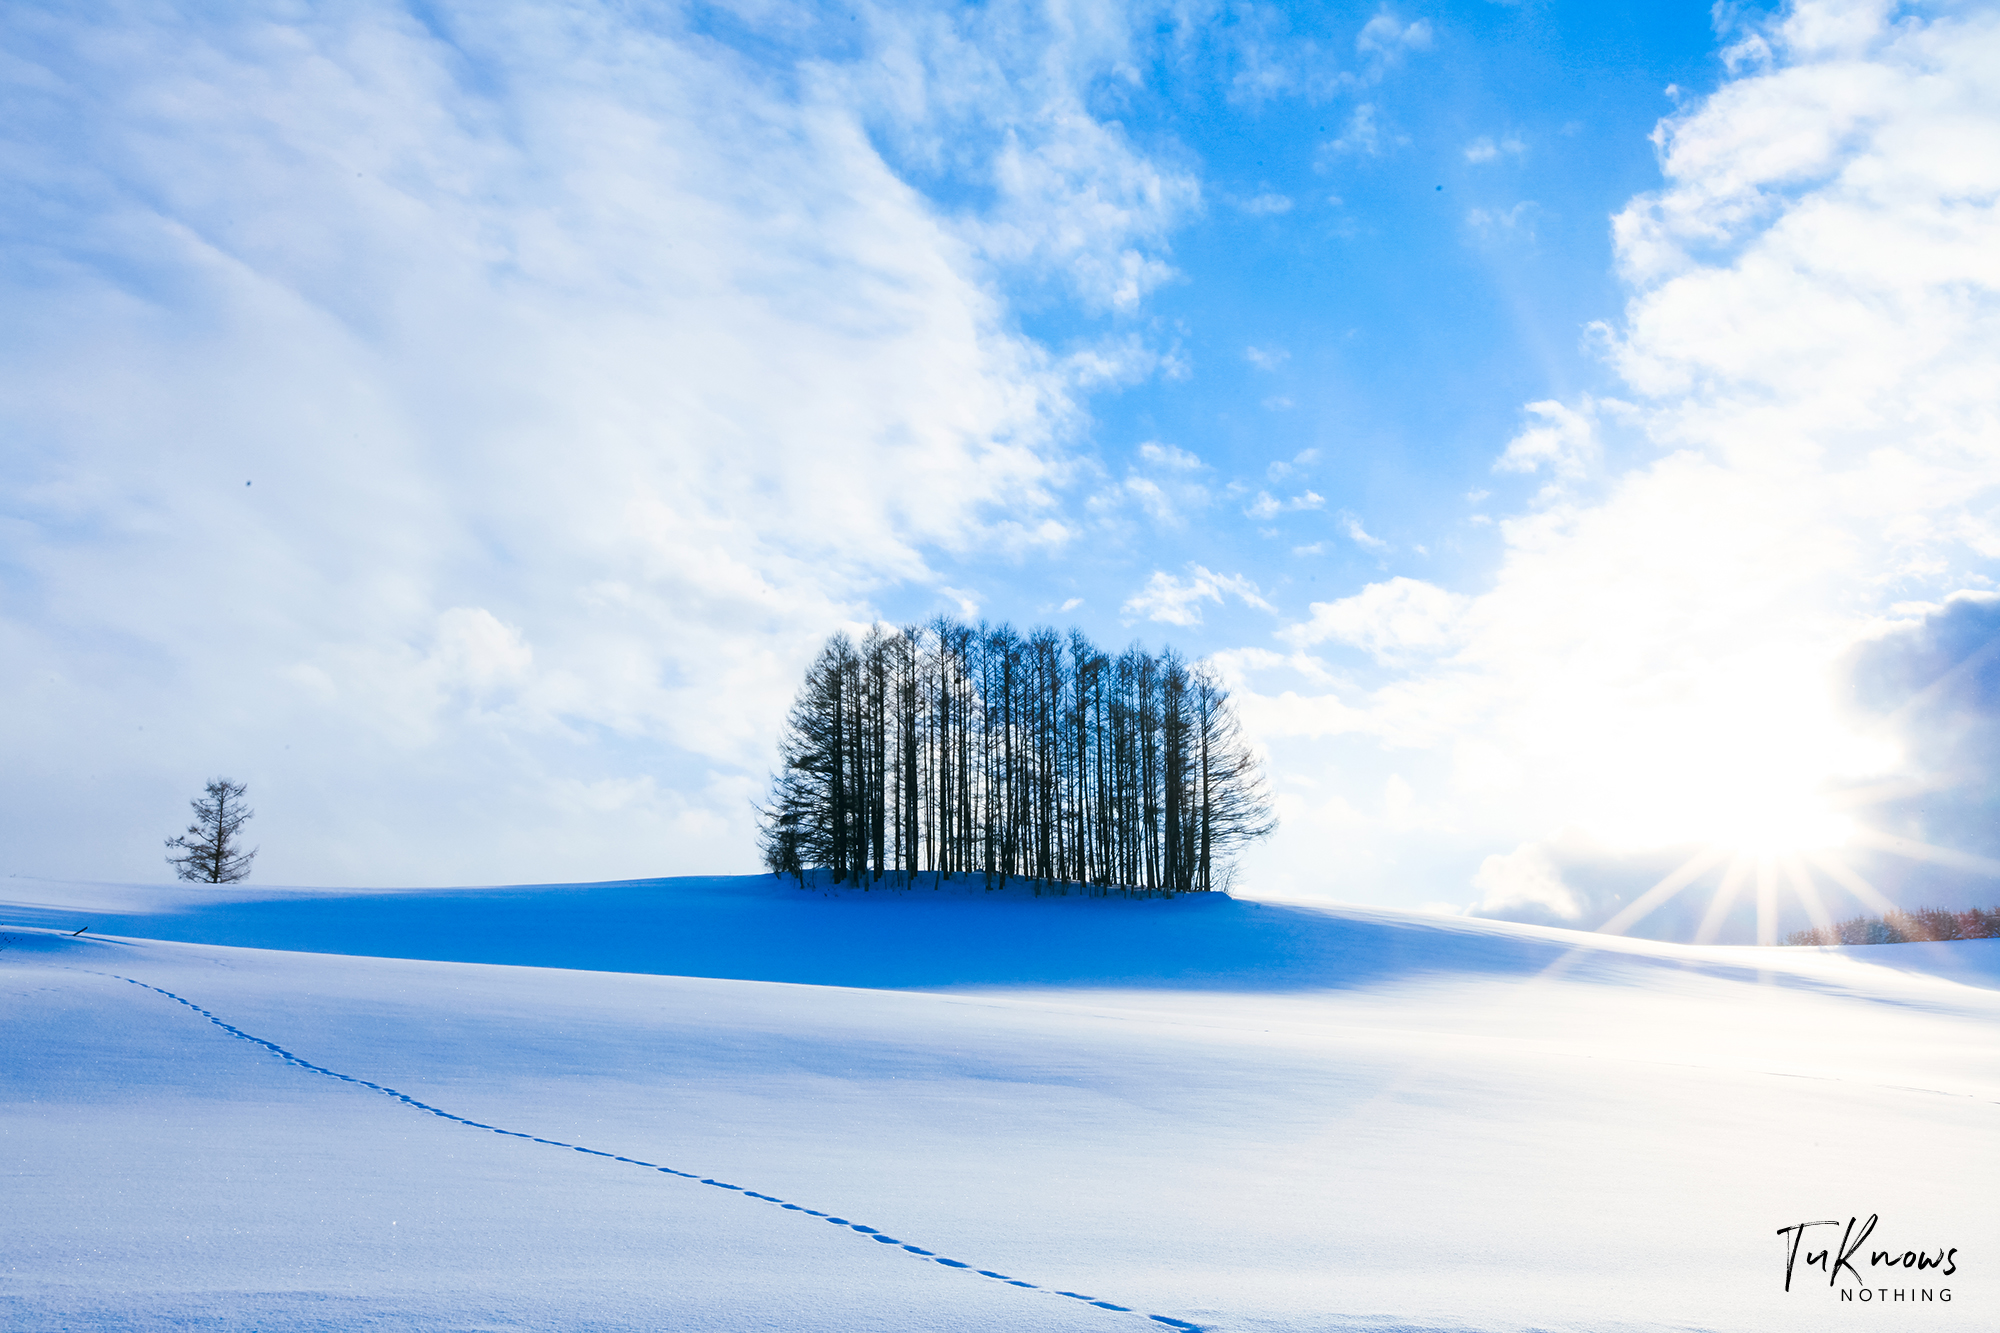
(735, 1104)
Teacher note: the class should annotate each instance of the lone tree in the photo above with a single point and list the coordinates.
(211, 851)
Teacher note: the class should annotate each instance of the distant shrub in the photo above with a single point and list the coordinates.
(1922, 925)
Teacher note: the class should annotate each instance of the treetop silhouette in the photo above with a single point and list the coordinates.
(211, 851)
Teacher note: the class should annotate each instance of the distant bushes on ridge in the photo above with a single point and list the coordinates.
(1920, 926)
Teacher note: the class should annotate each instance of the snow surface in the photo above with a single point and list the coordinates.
(1232, 1114)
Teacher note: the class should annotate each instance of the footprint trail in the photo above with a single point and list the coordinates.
(867, 1232)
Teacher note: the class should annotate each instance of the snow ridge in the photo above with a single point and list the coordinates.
(927, 1256)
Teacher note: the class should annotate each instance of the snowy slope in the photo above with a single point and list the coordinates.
(761, 929)
(1228, 1114)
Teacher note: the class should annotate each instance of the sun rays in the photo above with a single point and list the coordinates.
(1776, 873)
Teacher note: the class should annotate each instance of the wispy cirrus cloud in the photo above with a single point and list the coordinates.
(1387, 38)
(1360, 536)
(1172, 600)
(1363, 134)
(1168, 456)
(1165, 482)
(1267, 204)
(1488, 149)
(1267, 506)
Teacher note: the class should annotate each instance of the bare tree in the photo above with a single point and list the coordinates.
(1233, 805)
(211, 851)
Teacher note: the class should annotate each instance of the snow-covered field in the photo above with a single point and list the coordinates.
(730, 1104)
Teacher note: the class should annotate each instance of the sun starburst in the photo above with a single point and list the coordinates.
(1785, 850)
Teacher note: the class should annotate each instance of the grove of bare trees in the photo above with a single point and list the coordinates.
(969, 750)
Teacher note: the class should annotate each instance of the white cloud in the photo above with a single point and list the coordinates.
(1171, 601)
(1486, 149)
(1498, 223)
(1167, 456)
(1266, 358)
(966, 603)
(1362, 133)
(1168, 489)
(1268, 65)
(1279, 469)
(1524, 878)
(1074, 198)
(568, 392)
(1268, 506)
(1115, 362)
(1149, 494)
(1360, 535)
(1564, 440)
(1810, 350)
(1393, 620)
(1388, 38)
(1268, 204)
(1399, 803)
(475, 652)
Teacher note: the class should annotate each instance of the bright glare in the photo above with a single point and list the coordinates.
(1746, 757)
(1783, 827)
(1743, 759)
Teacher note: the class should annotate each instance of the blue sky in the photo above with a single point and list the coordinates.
(1387, 299)
(462, 423)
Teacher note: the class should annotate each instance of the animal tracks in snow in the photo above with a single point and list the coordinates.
(870, 1233)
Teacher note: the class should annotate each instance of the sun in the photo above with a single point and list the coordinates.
(1775, 824)
(1786, 849)
(1754, 761)
(1783, 825)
